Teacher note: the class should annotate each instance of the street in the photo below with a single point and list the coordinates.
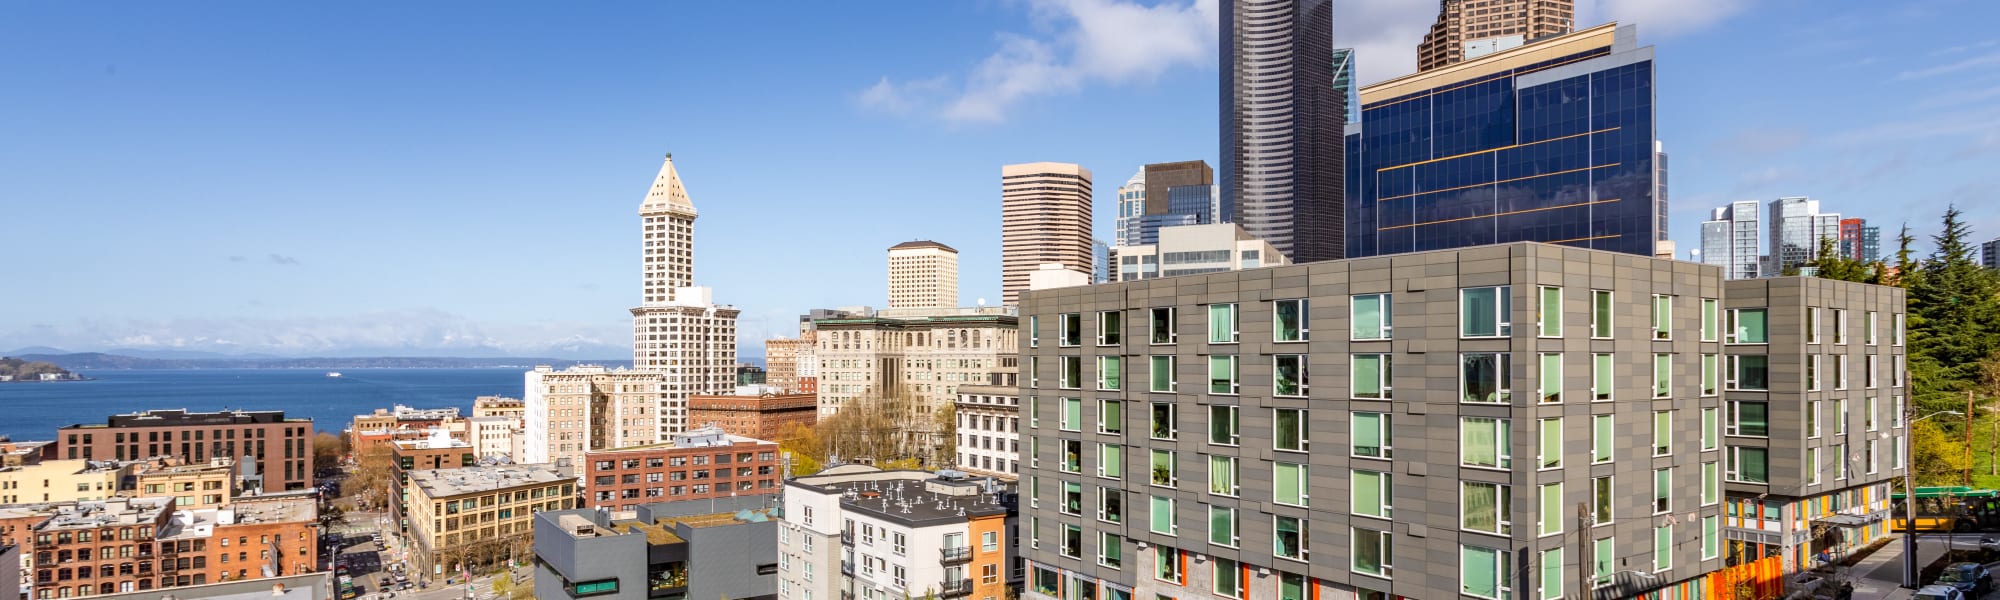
(374, 570)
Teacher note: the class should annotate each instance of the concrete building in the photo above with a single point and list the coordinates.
(1044, 218)
(989, 427)
(477, 514)
(280, 446)
(1797, 226)
(11, 584)
(923, 274)
(785, 361)
(726, 548)
(701, 464)
(1131, 208)
(498, 406)
(1282, 125)
(1647, 389)
(910, 363)
(589, 407)
(1859, 240)
(14, 454)
(1731, 239)
(690, 342)
(1468, 29)
(762, 416)
(63, 480)
(1183, 193)
(668, 252)
(309, 586)
(197, 486)
(495, 436)
(1193, 249)
(854, 531)
(1989, 254)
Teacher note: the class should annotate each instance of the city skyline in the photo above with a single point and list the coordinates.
(330, 243)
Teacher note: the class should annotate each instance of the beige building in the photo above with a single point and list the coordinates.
(1195, 249)
(783, 358)
(585, 408)
(911, 362)
(499, 406)
(923, 274)
(1467, 29)
(1044, 218)
(678, 331)
(196, 486)
(451, 509)
(63, 480)
(494, 436)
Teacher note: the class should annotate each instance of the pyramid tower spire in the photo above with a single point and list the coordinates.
(667, 193)
(667, 224)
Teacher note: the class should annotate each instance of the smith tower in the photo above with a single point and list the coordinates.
(1283, 126)
(678, 332)
(668, 218)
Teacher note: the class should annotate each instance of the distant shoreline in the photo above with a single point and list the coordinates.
(96, 361)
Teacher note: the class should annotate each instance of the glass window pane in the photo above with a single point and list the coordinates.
(1221, 323)
(1367, 317)
(1601, 376)
(1370, 494)
(1479, 571)
(1222, 374)
(1552, 378)
(1552, 509)
(1367, 434)
(1662, 375)
(1551, 312)
(1552, 574)
(1367, 376)
(1163, 373)
(1600, 314)
(1288, 375)
(1551, 443)
(1601, 438)
(1289, 477)
(1291, 317)
(1477, 308)
(1485, 378)
(1750, 326)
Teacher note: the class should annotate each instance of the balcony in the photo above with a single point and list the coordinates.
(953, 556)
(846, 538)
(955, 589)
(847, 568)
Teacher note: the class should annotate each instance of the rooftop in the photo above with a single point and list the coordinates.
(438, 439)
(924, 244)
(708, 436)
(441, 483)
(182, 418)
(289, 508)
(1541, 50)
(93, 514)
(310, 586)
(915, 498)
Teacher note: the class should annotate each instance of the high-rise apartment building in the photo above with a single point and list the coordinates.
(1468, 29)
(678, 331)
(1044, 218)
(1550, 142)
(1989, 254)
(1730, 239)
(280, 447)
(1647, 402)
(1343, 83)
(923, 274)
(1797, 226)
(584, 408)
(1282, 126)
(1859, 240)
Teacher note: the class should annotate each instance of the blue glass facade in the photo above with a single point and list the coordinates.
(1558, 151)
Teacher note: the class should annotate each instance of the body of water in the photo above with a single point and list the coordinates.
(33, 411)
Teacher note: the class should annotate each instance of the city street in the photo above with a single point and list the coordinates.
(374, 569)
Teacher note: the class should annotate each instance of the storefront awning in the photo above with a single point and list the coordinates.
(1843, 520)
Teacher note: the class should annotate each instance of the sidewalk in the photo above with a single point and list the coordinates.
(1880, 576)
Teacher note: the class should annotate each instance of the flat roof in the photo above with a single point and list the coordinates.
(440, 483)
(901, 497)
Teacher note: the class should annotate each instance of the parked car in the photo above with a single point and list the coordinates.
(1939, 592)
(1969, 577)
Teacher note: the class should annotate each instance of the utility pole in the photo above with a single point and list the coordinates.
(1583, 549)
(1968, 439)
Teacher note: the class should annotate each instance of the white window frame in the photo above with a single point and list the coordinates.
(1502, 305)
(1305, 324)
(1388, 320)
(1542, 312)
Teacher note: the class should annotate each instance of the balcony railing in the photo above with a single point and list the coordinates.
(955, 555)
(846, 538)
(954, 589)
(846, 567)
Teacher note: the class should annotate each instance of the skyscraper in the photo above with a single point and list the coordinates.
(1343, 83)
(678, 331)
(923, 274)
(1282, 126)
(1797, 226)
(1044, 218)
(1989, 254)
(1468, 29)
(1859, 240)
(1551, 142)
(1730, 240)
(1131, 207)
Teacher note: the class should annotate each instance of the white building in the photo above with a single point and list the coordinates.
(1193, 249)
(494, 436)
(585, 408)
(923, 274)
(989, 427)
(678, 331)
(858, 532)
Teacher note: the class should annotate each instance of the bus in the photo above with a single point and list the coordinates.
(1949, 509)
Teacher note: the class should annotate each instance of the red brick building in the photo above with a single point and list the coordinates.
(700, 464)
(763, 417)
(134, 544)
(280, 446)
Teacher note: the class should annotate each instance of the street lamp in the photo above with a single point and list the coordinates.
(1910, 494)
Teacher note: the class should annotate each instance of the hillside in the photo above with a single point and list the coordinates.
(16, 369)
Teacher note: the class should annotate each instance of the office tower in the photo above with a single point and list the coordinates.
(1282, 126)
(1551, 142)
(1859, 240)
(1226, 442)
(1660, 192)
(1730, 239)
(678, 331)
(1797, 226)
(1100, 262)
(1989, 254)
(782, 360)
(1044, 218)
(1131, 206)
(1181, 193)
(923, 274)
(1192, 249)
(1469, 29)
(588, 407)
(280, 446)
(1343, 84)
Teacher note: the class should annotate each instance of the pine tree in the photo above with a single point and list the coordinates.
(1906, 265)
(1831, 265)
(1953, 309)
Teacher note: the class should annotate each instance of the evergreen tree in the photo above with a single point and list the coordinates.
(1906, 265)
(1831, 265)
(1952, 316)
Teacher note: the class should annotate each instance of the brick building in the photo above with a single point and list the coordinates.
(135, 544)
(701, 464)
(278, 444)
(762, 417)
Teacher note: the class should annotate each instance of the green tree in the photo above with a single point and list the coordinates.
(1938, 457)
(1906, 262)
(503, 584)
(1952, 317)
(1830, 264)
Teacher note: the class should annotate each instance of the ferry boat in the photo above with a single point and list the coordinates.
(333, 373)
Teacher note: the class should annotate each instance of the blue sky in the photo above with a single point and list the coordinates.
(462, 178)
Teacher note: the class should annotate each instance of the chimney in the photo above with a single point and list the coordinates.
(277, 589)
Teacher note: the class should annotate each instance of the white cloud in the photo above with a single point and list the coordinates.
(1659, 18)
(1384, 35)
(431, 332)
(1975, 62)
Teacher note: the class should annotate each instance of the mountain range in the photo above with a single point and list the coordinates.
(193, 360)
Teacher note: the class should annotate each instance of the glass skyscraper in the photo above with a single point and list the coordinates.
(1550, 142)
(1282, 124)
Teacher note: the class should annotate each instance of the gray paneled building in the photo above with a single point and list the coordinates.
(721, 548)
(1509, 421)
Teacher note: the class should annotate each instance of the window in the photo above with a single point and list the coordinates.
(1372, 494)
(1812, 419)
(1222, 375)
(1868, 418)
(1548, 316)
(1485, 312)
(1291, 586)
(1372, 317)
(1486, 507)
(1072, 458)
(1072, 414)
(1288, 375)
(1485, 573)
(1813, 371)
(1839, 326)
(1072, 498)
(1034, 413)
(1370, 378)
(1164, 425)
(1602, 375)
(1745, 326)
(1663, 547)
(1550, 521)
(1228, 578)
(1222, 325)
(1161, 326)
(1110, 550)
(1747, 372)
(1868, 378)
(1110, 373)
(1222, 475)
(1371, 552)
(1897, 338)
(1290, 429)
(1166, 468)
(1663, 317)
(1551, 446)
(1868, 335)
(1711, 428)
(1711, 318)
(1663, 489)
(1291, 321)
(1600, 314)
(1071, 377)
(1222, 526)
(1072, 541)
(1553, 576)
(1602, 560)
(1711, 537)
(1663, 432)
(1711, 374)
(1222, 425)
(1109, 326)
(1840, 372)
(1034, 371)
(1748, 465)
(1602, 493)
(1747, 419)
(1110, 417)
(1110, 507)
(1163, 374)
(1161, 517)
(1896, 411)
(1289, 538)
(1663, 374)
(1602, 439)
(1071, 329)
(1291, 485)
(1812, 325)
(1370, 435)
(1868, 455)
(1485, 442)
(1485, 378)
(1711, 483)
(1551, 378)
(1110, 460)
(1034, 331)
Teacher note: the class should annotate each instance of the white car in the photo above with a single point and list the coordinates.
(1939, 592)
